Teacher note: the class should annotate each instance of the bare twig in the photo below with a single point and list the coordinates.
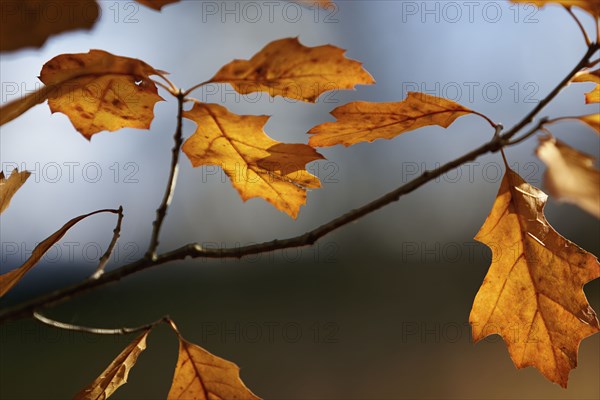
(588, 42)
(97, 331)
(194, 250)
(161, 212)
(104, 259)
(190, 90)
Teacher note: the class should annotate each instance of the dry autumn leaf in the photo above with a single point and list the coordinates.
(593, 120)
(571, 175)
(115, 375)
(591, 6)
(257, 165)
(96, 90)
(590, 76)
(365, 122)
(10, 279)
(29, 23)
(201, 375)
(10, 185)
(156, 4)
(287, 68)
(533, 293)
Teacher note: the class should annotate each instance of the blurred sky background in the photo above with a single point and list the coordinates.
(374, 286)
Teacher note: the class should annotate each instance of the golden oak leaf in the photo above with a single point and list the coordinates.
(593, 120)
(533, 293)
(200, 375)
(156, 4)
(287, 68)
(365, 122)
(257, 165)
(96, 90)
(571, 175)
(591, 6)
(8, 187)
(115, 375)
(10, 279)
(590, 76)
(29, 23)
(100, 91)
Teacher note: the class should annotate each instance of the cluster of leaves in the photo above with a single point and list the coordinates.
(537, 285)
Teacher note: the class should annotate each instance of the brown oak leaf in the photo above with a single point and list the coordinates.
(287, 68)
(533, 293)
(257, 165)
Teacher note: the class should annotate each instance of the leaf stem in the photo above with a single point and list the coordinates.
(161, 211)
(97, 331)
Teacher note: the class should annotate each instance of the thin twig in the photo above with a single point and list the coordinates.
(194, 250)
(172, 88)
(167, 88)
(190, 90)
(104, 259)
(161, 212)
(529, 133)
(97, 331)
(588, 42)
(529, 117)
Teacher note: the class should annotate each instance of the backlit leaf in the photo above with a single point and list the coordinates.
(365, 122)
(287, 68)
(10, 185)
(96, 90)
(590, 76)
(10, 279)
(115, 375)
(100, 91)
(257, 165)
(571, 175)
(533, 293)
(29, 23)
(200, 375)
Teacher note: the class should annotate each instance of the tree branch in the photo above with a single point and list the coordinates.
(161, 212)
(104, 259)
(194, 250)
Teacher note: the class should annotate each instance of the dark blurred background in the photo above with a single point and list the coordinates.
(376, 310)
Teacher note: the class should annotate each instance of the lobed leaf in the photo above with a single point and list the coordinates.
(571, 175)
(115, 375)
(533, 293)
(10, 185)
(96, 90)
(201, 375)
(257, 165)
(10, 279)
(287, 68)
(365, 122)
